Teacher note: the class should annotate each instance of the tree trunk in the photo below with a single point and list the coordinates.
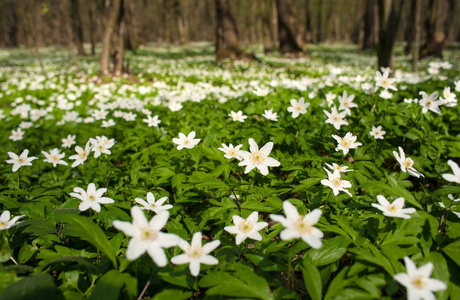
(389, 17)
(265, 16)
(370, 25)
(227, 45)
(91, 25)
(308, 34)
(76, 24)
(109, 30)
(410, 32)
(318, 22)
(436, 36)
(417, 26)
(289, 35)
(180, 22)
(274, 23)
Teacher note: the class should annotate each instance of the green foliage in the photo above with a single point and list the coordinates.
(57, 251)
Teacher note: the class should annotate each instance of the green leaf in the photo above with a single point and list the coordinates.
(312, 280)
(5, 250)
(173, 294)
(38, 227)
(108, 287)
(38, 287)
(332, 250)
(241, 283)
(72, 259)
(440, 271)
(85, 229)
(337, 284)
(453, 251)
(402, 192)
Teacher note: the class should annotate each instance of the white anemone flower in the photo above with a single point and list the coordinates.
(258, 158)
(230, 151)
(417, 281)
(147, 236)
(246, 228)
(155, 206)
(5, 221)
(298, 107)
(196, 254)
(186, 141)
(21, 160)
(91, 198)
(455, 169)
(346, 143)
(406, 163)
(377, 132)
(238, 116)
(336, 183)
(54, 157)
(394, 209)
(336, 118)
(298, 226)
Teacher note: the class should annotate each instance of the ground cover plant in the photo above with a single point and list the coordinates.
(308, 178)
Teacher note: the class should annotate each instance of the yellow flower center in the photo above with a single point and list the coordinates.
(302, 226)
(148, 234)
(408, 163)
(246, 226)
(2, 224)
(337, 181)
(195, 252)
(419, 282)
(257, 157)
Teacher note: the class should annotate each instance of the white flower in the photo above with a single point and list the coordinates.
(299, 107)
(385, 94)
(91, 198)
(5, 221)
(451, 197)
(346, 143)
(429, 102)
(394, 209)
(261, 91)
(246, 228)
(237, 116)
(457, 85)
(377, 132)
(151, 204)
(385, 82)
(258, 158)
(109, 123)
(101, 144)
(196, 254)
(298, 226)
(335, 118)
(147, 236)
(21, 160)
(455, 169)
(152, 121)
(449, 97)
(346, 102)
(338, 167)
(406, 163)
(129, 116)
(174, 106)
(418, 283)
(16, 135)
(69, 141)
(230, 151)
(186, 141)
(82, 154)
(270, 115)
(336, 183)
(54, 157)
(100, 114)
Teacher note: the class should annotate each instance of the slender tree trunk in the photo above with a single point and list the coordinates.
(289, 35)
(318, 22)
(109, 30)
(410, 32)
(389, 17)
(180, 22)
(370, 24)
(265, 16)
(76, 24)
(274, 23)
(227, 45)
(417, 27)
(436, 36)
(91, 25)
(308, 34)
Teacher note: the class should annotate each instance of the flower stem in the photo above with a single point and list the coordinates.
(381, 231)
(54, 176)
(18, 181)
(290, 269)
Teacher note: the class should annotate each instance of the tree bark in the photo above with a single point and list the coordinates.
(318, 23)
(109, 30)
(389, 17)
(436, 36)
(370, 25)
(227, 45)
(417, 26)
(308, 34)
(76, 24)
(410, 32)
(289, 35)
(179, 22)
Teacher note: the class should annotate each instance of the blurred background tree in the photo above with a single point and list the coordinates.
(287, 26)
